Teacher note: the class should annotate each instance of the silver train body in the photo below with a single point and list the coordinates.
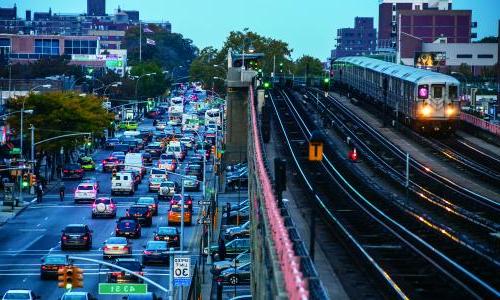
(424, 100)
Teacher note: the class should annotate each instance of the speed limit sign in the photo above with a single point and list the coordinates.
(182, 271)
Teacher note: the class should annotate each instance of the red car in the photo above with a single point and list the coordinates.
(71, 171)
(110, 163)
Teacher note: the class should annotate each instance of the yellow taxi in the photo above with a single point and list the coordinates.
(174, 215)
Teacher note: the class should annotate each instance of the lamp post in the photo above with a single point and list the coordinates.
(113, 84)
(74, 82)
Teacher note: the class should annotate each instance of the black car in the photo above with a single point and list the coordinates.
(118, 276)
(50, 264)
(121, 147)
(147, 296)
(155, 252)
(235, 276)
(238, 181)
(72, 171)
(195, 170)
(142, 213)
(169, 234)
(110, 143)
(147, 159)
(155, 150)
(128, 227)
(76, 236)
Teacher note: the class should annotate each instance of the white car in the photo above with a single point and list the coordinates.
(161, 125)
(20, 294)
(116, 246)
(85, 192)
(167, 190)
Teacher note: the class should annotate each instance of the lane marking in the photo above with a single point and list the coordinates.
(29, 244)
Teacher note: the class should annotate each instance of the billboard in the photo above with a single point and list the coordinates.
(430, 59)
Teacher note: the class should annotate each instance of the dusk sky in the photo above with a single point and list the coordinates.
(308, 26)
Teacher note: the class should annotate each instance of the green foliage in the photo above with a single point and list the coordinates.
(203, 69)
(488, 39)
(149, 86)
(61, 113)
(41, 68)
(315, 66)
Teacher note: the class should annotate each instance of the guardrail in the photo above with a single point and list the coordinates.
(295, 284)
(478, 122)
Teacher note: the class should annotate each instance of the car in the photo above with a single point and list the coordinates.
(236, 206)
(241, 259)
(151, 202)
(242, 231)
(116, 247)
(111, 142)
(233, 248)
(147, 158)
(167, 190)
(128, 227)
(169, 164)
(154, 184)
(85, 192)
(155, 252)
(110, 163)
(160, 125)
(118, 276)
(72, 171)
(77, 296)
(236, 275)
(142, 213)
(120, 155)
(176, 198)
(20, 294)
(169, 234)
(237, 172)
(91, 180)
(205, 153)
(76, 236)
(242, 297)
(235, 167)
(50, 264)
(191, 183)
(129, 125)
(188, 142)
(146, 296)
(136, 175)
(155, 149)
(241, 215)
(104, 207)
(175, 216)
(237, 181)
(87, 163)
(123, 182)
(122, 148)
(195, 170)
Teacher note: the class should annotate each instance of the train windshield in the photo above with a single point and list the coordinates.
(453, 92)
(437, 91)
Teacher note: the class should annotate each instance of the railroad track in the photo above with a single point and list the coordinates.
(399, 249)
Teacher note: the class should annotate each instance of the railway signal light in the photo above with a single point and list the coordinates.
(326, 84)
(353, 155)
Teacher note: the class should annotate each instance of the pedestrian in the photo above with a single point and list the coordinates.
(222, 249)
(61, 191)
(39, 193)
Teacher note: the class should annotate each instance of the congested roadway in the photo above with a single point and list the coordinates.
(37, 232)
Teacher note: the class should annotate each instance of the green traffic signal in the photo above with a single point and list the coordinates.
(267, 85)
(281, 64)
(326, 80)
(25, 184)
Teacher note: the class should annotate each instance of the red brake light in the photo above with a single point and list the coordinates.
(147, 252)
(125, 248)
(175, 238)
(94, 205)
(116, 273)
(112, 205)
(156, 238)
(85, 237)
(64, 237)
(44, 267)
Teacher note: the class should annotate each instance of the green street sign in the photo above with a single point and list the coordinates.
(122, 288)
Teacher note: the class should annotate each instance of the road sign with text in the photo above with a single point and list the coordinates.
(182, 271)
(122, 288)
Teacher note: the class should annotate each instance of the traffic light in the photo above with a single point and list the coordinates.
(281, 67)
(77, 278)
(25, 181)
(32, 180)
(64, 276)
(267, 85)
(326, 84)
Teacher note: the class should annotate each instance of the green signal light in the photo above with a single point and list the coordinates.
(267, 85)
(25, 184)
(326, 80)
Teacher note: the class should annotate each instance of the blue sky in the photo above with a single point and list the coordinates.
(308, 26)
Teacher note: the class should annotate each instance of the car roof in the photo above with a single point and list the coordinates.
(77, 293)
(20, 291)
(146, 198)
(75, 225)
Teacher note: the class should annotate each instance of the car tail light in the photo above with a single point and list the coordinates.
(175, 238)
(189, 202)
(112, 205)
(44, 267)
(140, 273)
(94, 205)
(64, 237)
(156, 238)
(116, 274)
(125, 248)
(66, 171)
(219, 279)
(170, 213)
(146, 252)
(85, 237)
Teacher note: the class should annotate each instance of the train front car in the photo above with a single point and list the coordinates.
(436, 109)
(424, 100)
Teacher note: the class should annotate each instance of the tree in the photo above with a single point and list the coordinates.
(466, 71)
(488, 39)
(149, 86)
(203, 69)
(315, 66)
(43, 67)
(59, 113)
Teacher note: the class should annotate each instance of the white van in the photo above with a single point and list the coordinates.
(175, 148)
(122, 182)
(134, 162)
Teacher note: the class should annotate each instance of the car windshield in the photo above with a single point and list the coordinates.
(158, 171)
(156, 245)
(55, 260)
(131, 265)
(116, 240)
(167, 230)
(125, 224)
(74, 229)
(72, 167)
(167, 184)
(178, 208)
(85, 188)
(138, 210)
(101, 200)
(16, 295)
(74, 297)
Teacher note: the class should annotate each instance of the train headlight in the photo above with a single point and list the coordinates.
(426, 110)
(450, 111)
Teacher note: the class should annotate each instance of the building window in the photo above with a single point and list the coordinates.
(47, 46)
(80, 47)
(485, 56)
(464, 55)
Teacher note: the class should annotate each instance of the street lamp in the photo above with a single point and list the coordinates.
(82, 77)
(114, 84)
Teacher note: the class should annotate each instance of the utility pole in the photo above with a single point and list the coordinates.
(140, 41)
(32, 149)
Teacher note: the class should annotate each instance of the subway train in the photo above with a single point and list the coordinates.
(424, 100)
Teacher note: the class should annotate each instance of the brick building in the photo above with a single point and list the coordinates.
(360, 40)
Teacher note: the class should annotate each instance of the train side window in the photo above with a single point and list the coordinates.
(423, 91)
(453, 92)
(437, 91)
